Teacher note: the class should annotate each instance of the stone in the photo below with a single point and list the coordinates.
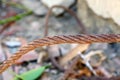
(94, 23)
(36, 6)
(7, 75)
(106, 8)
(58, 11)
(12, 43)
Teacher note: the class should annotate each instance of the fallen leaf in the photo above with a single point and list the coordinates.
(74, 52)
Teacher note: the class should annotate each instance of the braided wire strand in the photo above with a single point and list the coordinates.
(47, 17)
(82, 39)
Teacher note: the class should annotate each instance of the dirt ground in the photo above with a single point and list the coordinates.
(32, 27)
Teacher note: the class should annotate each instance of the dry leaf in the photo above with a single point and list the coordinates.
(74, 52)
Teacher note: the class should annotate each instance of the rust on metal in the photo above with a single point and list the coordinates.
(83, 29)
(81, 39)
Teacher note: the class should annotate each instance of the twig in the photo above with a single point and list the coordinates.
(6, 26)
(14, 18)
(70, 69)
(88, 64)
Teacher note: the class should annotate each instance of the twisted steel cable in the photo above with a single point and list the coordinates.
(82, 39)
(83, 29)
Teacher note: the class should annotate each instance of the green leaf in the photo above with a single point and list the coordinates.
(32, 74)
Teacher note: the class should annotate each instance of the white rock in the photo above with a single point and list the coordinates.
(36, 6)
(56, 11)
(106, 8)
(12, 43)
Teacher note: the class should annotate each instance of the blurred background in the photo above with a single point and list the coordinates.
(22, 21)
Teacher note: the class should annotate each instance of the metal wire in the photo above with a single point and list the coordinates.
(83, 30)
(82, 39)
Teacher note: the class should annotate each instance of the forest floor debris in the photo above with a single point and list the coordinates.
(101, 59)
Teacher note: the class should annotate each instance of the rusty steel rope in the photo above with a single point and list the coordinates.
(83, 29)
(82, 39)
